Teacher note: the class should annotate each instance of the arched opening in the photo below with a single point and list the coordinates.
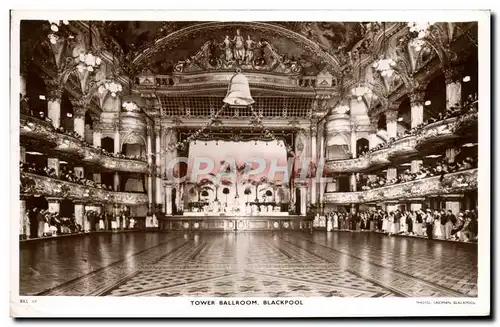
(67, 114)
(298, 202)
(362, 146)
(382, 123)
(435, 99)
(404, 116)
(66, 208)
(174, 201)
(108, 144)
(89, 128)
(36, 93)
(470, 79)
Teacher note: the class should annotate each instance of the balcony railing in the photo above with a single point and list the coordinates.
(441, 131)
(39, 129)
(453, 183)
(32, 184)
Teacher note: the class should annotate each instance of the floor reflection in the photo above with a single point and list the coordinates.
(247, 264)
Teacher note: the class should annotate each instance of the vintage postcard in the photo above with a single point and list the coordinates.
(250, 163)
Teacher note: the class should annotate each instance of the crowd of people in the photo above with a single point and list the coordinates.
(433, 224)
(39, 222)
(441, 168)
(64, 174)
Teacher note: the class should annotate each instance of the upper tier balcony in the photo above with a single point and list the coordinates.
(440, 132)
(453, 183)
(42, 130)
(32, 184)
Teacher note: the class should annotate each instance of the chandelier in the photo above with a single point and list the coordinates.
(87, 61)
(342, 109)
(111, 86)
(360, 90)
(420, 29)
(385, 66)
(130, 106)
(54, 27)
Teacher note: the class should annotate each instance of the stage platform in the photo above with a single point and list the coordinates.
(189, 222)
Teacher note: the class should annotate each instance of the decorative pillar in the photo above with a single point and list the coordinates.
(415, 166)
(150, 192)
(158, 150)
(54, 101)
(372, 140)
(354, 148)
(391, 118)
(23, 223)
(453, 86)
(22, 154)
(116, 182)
(168, 198)
(54, 205)
(97, 177)
(453, 202)
(392, 173)
(79, 172)
(416, 204)
(79, 214)
(303, 200)
(417, 107)
(352, 182)
(96, 135)
(451, 153)
(322, 162)
(314, 133)
(79, 120)
(116, 139)
(53, 163)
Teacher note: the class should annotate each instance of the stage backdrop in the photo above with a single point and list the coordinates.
(220, 151)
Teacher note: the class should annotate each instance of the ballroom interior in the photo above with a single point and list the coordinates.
(248, 158)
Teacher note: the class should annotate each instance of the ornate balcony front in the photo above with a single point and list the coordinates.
(41, 130)
(453, 183)
(32, 184)
(439, 132)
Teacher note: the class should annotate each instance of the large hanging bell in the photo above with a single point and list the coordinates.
(238, 93)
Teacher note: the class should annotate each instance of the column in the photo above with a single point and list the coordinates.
(453, 202)
(22, 154)
(116, 182)
(314, 132)
(322, 161)
(23, 223)
(354, 149)
(391, 118)
(96, 177)
(451, 153)
(415, 166)
(79, 214)
(303, 200)
(168, 199)
(54, 101)
(392, 173)
(391, 206)
(22, 83)
(53, 163)
(372, 140)
(79, 172)
(417, 107)
(79, 121)
(416, 204)
(54, 204)
(96, 136)
(352, 182)
(116, 139)
(150, 192)
(453, 86)
(158, 150)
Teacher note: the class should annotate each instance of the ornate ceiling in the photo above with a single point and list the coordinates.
(159, 46)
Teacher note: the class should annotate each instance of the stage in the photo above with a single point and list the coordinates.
(263, 222)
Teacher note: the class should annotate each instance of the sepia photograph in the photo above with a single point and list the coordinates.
(225, 165)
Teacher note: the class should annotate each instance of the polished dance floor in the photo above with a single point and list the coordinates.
(339, 264)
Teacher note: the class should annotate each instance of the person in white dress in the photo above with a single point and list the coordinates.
(335, 221)
(385, 223)
(437, 225)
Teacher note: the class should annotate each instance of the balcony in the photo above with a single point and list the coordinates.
(32, 184)
(41, 130)
(453, 183)
(435, 133)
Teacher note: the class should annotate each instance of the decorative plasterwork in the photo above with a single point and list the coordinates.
(205, 28)
(32, 184)
(458, 182)
(436, 132)
(37, 129)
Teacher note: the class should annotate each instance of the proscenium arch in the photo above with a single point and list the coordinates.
(294, 36)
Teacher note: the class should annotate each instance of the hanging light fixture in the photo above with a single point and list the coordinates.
(418, 32)
(384, 65)
(54, 27)
(86, 60)
(109, 84)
